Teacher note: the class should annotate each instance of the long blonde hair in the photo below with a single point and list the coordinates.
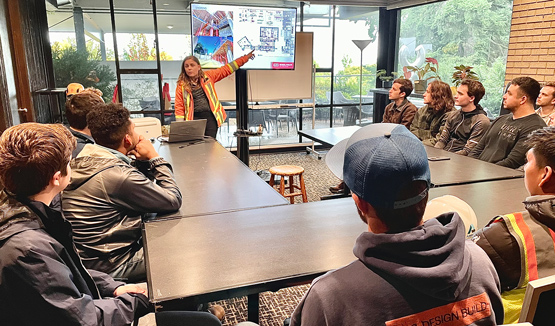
(183, 77)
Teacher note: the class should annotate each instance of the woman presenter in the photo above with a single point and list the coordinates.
(195, 95)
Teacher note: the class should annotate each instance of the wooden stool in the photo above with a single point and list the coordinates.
(289, 171)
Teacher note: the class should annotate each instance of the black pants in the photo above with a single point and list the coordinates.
(211, 123)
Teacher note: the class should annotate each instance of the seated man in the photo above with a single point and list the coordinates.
(42, 279)
(408, 272)
(107, 197)
(546, 103)
(430, 119)
(503, 143)
(465, 127)
(401, 110)
(521, 244)
(77, 108)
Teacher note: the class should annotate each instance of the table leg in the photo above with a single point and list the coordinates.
(253, 305)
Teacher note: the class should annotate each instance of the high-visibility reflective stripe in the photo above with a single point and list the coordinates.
(527, 239)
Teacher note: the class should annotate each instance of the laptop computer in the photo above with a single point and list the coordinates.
(181, 131)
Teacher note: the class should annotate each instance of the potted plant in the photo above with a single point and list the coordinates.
(463, 72)
(421, 72)
(387, 81)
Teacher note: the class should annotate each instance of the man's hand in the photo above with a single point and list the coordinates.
(251, 55)
(144, 150)
(129, 288)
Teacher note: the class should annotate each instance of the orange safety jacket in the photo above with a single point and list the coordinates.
(184, 104)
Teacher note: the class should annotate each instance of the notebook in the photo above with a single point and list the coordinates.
(187, 130)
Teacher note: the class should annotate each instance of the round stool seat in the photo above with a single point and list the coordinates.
(286, 170)
(289, 171)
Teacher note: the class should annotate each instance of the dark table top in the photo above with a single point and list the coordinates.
(211, 179)
(488, 199)
(244, 252)
(458, 169)
(461, 169)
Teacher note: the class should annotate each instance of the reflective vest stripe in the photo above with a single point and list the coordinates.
(523, 231)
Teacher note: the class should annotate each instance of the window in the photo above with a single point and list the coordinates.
(471, 33)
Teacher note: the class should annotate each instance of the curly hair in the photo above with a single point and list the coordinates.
(30, 155)
(79, 105)
(442, 97)
(542, 143)
(109, 124)
(183, 77)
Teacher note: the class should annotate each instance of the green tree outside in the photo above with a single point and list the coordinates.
(471, 32)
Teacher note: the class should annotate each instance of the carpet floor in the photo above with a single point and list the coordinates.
(277, 306)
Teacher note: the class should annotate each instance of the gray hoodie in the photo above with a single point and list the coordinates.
(425, 276)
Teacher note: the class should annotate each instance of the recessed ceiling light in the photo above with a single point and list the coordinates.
(170, 26)
(165, 4)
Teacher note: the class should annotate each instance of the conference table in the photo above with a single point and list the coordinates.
(212, 180)
(456, 169)
(245, 252)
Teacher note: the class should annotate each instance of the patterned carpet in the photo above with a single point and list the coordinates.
(276, 306)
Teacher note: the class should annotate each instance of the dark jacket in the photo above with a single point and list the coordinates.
(42, 280)
(506, 240)
(106, 200)
(427, 125)
(463, 130)
(408, 278)
(82, 140)
(403, 114)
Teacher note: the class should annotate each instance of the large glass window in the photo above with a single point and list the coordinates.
(471, 33)
(82, 47)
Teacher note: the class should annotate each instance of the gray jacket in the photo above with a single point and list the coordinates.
(106, 200)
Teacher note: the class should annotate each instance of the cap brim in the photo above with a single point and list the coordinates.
(335, 158)
(336, 155)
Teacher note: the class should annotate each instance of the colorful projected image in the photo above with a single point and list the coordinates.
(270, 32)
(213, 51)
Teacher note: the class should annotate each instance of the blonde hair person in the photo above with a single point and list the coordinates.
(195, 95)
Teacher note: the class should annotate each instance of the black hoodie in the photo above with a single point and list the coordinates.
(463, 130)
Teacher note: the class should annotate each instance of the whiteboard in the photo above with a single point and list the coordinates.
(267, 85)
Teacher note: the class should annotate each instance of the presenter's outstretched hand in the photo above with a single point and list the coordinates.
(251, 55)
(144, 150)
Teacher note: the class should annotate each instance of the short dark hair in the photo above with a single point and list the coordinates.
(78, 106)
(406, 86)
(30, 155)
(475, 88)
(542, 143)
(404, 219)
(529, 86)
(109, 124)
